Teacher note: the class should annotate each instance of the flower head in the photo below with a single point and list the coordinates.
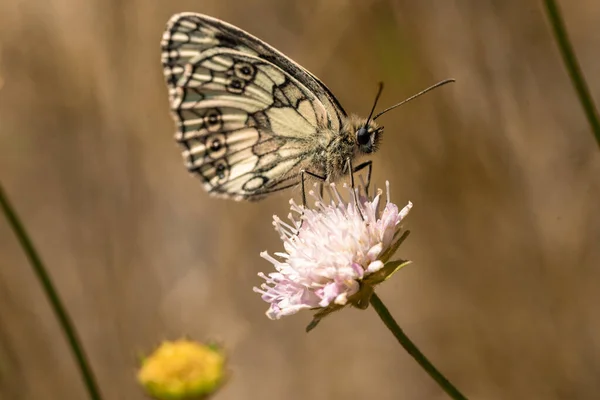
(182, 369)
(334, 253)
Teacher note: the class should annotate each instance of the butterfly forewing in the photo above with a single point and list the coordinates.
(247, 116)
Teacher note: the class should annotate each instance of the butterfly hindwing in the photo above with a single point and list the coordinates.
(228, 108)
(246, 114)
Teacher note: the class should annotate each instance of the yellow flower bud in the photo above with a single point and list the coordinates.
(182, 370)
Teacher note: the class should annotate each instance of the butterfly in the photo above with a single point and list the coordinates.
(250, 120)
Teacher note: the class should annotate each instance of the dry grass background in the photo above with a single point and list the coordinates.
(503, 295)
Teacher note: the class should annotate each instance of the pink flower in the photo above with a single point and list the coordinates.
(331, 252)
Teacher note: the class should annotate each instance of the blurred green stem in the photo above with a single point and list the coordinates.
(413, 350)
(568, 55)
(59, 310)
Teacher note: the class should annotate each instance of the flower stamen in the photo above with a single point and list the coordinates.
(331, 252)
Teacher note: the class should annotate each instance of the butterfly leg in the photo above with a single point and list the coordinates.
(359, 167)
(356, 200)
(302, 178)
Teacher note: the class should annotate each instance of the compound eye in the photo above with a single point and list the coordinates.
(363, 136)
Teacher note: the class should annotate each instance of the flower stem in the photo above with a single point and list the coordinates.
(413, 350)
(573, 68)
(52, 295)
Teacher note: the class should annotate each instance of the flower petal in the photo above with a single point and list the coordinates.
(329, 250)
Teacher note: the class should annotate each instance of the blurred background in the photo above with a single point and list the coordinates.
(503, 294)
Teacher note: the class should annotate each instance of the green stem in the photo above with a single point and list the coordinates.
(52, 295)
(413, 350)
(570, 60)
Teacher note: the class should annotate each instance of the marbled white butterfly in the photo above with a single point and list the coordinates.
(252, 121)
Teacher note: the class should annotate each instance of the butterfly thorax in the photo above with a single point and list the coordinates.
(347, 144)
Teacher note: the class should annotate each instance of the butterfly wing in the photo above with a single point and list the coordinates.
(247, 116)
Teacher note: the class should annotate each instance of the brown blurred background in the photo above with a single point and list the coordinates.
(504, 292)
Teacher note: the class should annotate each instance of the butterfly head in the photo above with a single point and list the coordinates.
(368, 136)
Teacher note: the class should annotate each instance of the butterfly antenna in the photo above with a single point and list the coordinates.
(442, 83)
(375, 103)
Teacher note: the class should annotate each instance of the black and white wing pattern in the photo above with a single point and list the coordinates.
(247, 116)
